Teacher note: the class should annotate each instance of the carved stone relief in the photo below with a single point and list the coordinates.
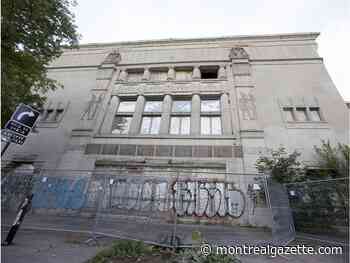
(247, 106)
(113, 58)
(183, 88)
(238, 53)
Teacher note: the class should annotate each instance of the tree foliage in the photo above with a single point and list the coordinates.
(333, 160)
(33, 34)
(282, 166)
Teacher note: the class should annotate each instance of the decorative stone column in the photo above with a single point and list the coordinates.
(171, 73)
(222, 72)
(196, 115)
(137, 117)
(166, 112)
(225, 115)
(196, 73)
(146, 74)
(110, 114)
(123, 76)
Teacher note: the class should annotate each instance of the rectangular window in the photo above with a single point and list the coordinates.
(121, 125)
(288, 114)
(210, 117)
(181, 117)
(159, 75)
(181, 106)
(58, 115)
(180, 125)
(301, 114)
(209, 72)
(123, 117)
(135, 76)
(183, 74)
(153, 106)
(48, 115)
(210, 106)
(127, 106)
(150, 125)
(210, 125)
(315, 114)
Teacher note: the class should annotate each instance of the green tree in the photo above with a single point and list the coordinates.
(333, 160)
(282, 166)
(33, 34)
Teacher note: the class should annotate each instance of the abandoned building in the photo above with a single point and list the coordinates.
(198, 108)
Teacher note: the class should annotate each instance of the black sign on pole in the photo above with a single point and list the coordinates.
(19, 126)
(10, 136)
(25, 115)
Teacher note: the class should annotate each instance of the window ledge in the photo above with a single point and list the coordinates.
(307, 125)
(47, 124)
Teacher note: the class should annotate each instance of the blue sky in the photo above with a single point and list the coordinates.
(112, 21)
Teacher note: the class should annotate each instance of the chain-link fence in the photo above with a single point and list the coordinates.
(169, 207)
(321, 208)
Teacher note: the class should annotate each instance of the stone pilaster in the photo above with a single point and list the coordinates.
(225, 115)
(110, 113)
(196, 115)
(166, 112)
(123, 76)
(137, 117)
(196, 73)
(171, 73)
(222, 72)
(146, 74)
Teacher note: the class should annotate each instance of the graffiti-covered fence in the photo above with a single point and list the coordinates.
(161, 206)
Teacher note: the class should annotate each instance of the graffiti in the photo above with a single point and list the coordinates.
(198, 198)
(138, 195)
(195, 198)
(185, 198)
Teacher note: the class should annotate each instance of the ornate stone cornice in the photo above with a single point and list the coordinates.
(113, 58)
(238, 53)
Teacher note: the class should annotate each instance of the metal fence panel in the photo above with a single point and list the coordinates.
(167, 207)
(283, 230)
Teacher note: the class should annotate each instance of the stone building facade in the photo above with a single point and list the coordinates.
(211, 105)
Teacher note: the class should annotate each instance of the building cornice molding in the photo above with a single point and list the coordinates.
(171, 41)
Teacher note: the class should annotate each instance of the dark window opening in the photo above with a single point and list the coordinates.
(209, 73)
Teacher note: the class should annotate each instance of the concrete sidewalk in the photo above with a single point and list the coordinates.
(146, 230)
(42, 246)
(47, 247)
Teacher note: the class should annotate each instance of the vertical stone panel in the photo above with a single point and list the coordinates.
(137, 117)
(166, 111)
(226, 115)
(196, 115)
(110, 113)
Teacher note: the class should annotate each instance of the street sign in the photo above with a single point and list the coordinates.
(17, 127)
(10, 136)
(25, 115)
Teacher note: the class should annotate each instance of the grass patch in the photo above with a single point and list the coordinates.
(128, 251)
(125, 251)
